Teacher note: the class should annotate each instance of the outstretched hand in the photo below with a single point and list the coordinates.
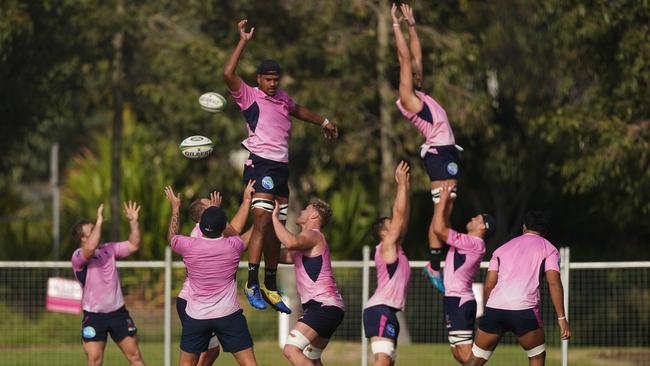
(330, 131)
(215, 199)
(249, 191)
(242, 30)
(100, 213)
(407, 10)
(131, 210)
(402, 175)
(393, 14)
(174, 200)
(446, 189)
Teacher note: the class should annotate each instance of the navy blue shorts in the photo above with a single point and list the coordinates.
(381, 321)
(443, 165)
(323, 319)
(459, 317)
(270, 176)
(96, 326)
(231, 330)
(519, 322)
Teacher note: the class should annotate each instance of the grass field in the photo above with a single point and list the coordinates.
(338, 353)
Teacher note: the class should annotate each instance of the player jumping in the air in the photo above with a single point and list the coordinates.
(267, 110)
(212, 261)
(439, 152)
(322, 304)
(393, 273)
(462, 262)
(103, 304)
(197, 208)
(512, 294)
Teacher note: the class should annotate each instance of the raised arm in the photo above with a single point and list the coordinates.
(399, 223)
(229, 76)
(132, 211)
(330, 131)
(88, 248)
(236, 225)
(414, 40)
(407, 96)
(174, 222)
(557, 297)
(440, 227)
(305, 240)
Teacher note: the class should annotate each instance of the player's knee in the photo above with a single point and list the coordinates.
(537, 352)
(384, 349)
(478, 352)
(382, 359)
(290, 352)
(135, 358)
(94, 359)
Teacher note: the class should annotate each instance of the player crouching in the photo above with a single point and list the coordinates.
(322, 303)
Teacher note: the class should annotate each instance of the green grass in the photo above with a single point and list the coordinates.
(338, 353)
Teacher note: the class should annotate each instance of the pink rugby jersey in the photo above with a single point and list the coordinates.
(431, 121)
(314, 277)
(102, 291)
(462, 262)
(211, 268)
(518, 263)
(391, 289)
(267, 121)
(185, 290)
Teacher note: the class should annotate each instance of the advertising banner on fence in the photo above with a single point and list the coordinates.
(63, 295)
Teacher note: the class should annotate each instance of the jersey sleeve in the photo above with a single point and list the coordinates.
(180, 243)
(464, 242)
(552, 260)
(494, 262)
(78, 260)
(121, 249)
(245, 96)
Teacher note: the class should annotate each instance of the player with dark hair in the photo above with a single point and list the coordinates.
(322, 304)
(512, 293)
(267, 110)
(462, 262)
(94, 265)
(197, 207)
(393, 274)
(439, 152)
(212, 261)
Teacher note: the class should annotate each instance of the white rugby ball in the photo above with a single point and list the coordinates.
(212, 102)
(196, 147)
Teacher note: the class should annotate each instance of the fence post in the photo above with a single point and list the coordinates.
(565, 260)
(364, 298)
(168, 306)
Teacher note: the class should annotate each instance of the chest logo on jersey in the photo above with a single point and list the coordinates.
(452, 168)
(267, 182)
(89, 332)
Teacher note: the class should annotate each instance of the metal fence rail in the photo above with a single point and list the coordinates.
(609, 308)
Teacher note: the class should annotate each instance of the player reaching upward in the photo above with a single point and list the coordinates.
(512, 293)
(212, 261)
(197, 208)
(393, 273)
(103, 304)
(439, 152)
(267, 110)
(322, 304)
(462, 262)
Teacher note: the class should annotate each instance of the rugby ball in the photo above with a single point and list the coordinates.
(196, 147)
(212, 102)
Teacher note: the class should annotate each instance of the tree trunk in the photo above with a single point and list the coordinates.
(117, 81)
(386, 96)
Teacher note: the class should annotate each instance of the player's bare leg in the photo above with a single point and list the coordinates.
(486, 342)
(261, 226)
(94, 353)
(187, 359)
(129, 346)
(296, 355)
(245, 357)
(271, 248)
(462, 352)
(533, 342)
(208, 357)
(432, 269)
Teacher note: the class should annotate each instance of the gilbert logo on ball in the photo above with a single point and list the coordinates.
(196, 147)
(212, 102)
